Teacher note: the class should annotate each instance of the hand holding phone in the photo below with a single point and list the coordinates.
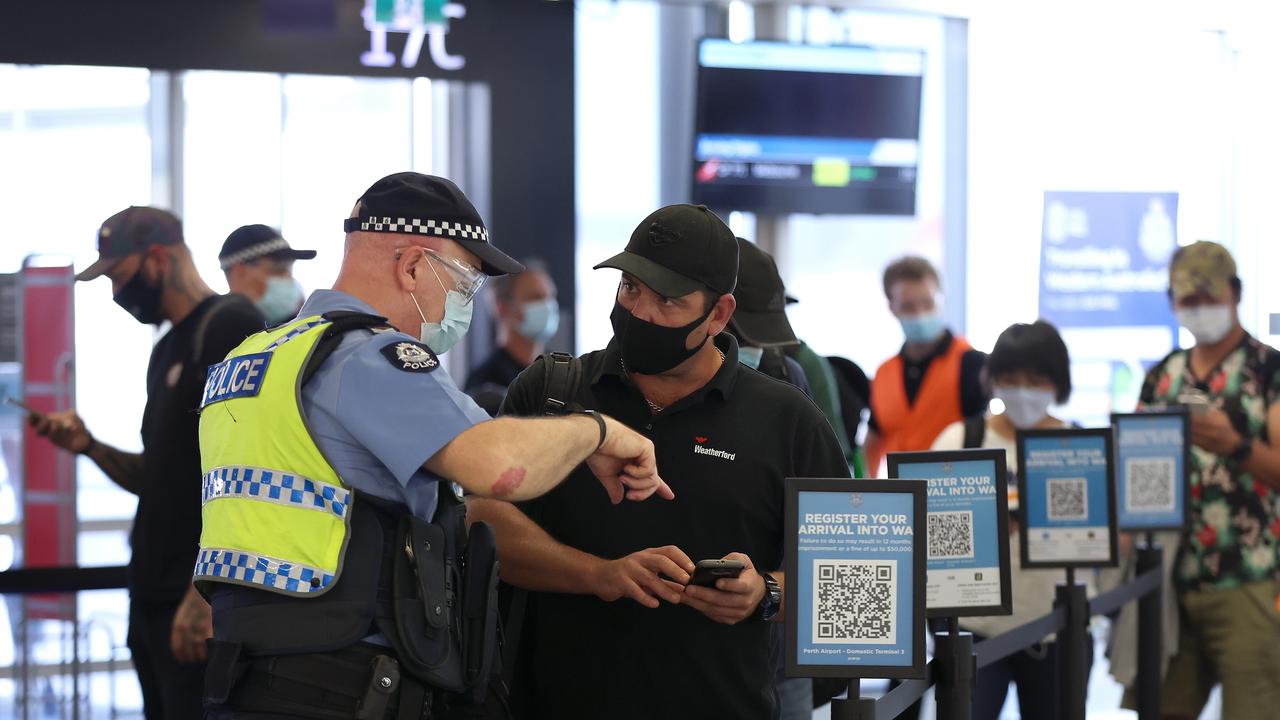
(1197, 402)
(63, 428)
(22, 406)
(707, 572)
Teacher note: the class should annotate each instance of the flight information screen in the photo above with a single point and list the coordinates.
(785, 128)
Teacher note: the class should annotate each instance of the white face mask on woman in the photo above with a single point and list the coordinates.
(1024, 406)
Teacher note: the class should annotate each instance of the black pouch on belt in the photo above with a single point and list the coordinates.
(425, 581)
(480, 609)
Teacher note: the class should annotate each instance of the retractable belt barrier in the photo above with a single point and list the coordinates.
(953, 669)
(26, 581)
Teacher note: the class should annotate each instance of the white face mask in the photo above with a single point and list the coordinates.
(1208, 323)
(442, 336)
(1025, 407)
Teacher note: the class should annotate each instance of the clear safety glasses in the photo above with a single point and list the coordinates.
(467, 280)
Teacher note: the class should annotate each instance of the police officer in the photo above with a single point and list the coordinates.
(324, 442)
(259, 265)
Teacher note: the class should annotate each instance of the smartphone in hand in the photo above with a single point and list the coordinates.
(707, 572)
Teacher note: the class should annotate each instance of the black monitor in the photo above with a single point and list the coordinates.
(785, 128)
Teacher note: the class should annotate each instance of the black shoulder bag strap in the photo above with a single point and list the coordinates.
(562, 374)
(202, 329)
(975, 431)
(340, 323)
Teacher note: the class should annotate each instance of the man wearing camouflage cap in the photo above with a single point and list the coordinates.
(1227, 575)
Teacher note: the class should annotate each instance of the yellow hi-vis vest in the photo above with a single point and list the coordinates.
(276, 515)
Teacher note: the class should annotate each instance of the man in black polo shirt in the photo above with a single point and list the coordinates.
(608, 636)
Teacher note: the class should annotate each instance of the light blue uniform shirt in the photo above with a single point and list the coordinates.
(377, 422)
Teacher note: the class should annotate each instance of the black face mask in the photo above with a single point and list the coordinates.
(141, 299)
(651, 349)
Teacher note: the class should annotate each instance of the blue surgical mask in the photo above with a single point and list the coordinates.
(281, 300)
(923, 328)
(541, 319)
(442, 336)
(750, 356)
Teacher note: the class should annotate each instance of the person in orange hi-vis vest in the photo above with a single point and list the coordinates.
(935, 380)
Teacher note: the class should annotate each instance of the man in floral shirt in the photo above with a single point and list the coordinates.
(1227, 577)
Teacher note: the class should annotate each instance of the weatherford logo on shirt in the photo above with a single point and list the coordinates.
(411, 357)
(700, 449)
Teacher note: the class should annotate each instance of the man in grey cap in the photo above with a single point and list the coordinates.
(152, 275)
(258, 263)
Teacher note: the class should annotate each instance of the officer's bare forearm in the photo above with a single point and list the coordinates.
(124, 468)
(529, 557)
(516, 458)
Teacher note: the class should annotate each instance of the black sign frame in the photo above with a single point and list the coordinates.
(793, 488)
(1023, 498)
(1001, 480)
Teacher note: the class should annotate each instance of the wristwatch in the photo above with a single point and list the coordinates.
(771, 603)
(1241, 454)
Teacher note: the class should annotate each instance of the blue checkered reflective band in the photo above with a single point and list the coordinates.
(295, 333)
(274, 486)
(220, 564)
(241, 376)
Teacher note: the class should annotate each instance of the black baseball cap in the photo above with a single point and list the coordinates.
(761, 317)
(250, 242)
(679, 249)
(417, 204)
(130, 231)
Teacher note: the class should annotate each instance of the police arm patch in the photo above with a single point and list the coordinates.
(411, 357)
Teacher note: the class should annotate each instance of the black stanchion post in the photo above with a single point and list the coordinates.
(849, 709)
(1150, 641)
(1073, 680)
(958, 666)
(856, 707)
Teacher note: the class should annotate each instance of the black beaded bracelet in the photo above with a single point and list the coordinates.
(604, 430)
(93, 443)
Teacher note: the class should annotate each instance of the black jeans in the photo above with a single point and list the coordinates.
(170, 690)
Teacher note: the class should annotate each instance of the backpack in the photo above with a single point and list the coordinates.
(562, 374)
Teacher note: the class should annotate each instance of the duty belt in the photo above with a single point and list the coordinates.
(362, 682)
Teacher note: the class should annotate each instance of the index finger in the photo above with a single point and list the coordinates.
(746, 561)
(647, 489)
(677, 555)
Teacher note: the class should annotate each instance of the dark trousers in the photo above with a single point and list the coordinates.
(1035, 674)
(170, 691)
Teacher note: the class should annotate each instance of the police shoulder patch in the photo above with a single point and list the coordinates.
(411, 356)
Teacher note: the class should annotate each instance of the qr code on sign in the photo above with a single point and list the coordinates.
(1068, 499)
(950, 535)
(1149, 485)
(854, 601)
